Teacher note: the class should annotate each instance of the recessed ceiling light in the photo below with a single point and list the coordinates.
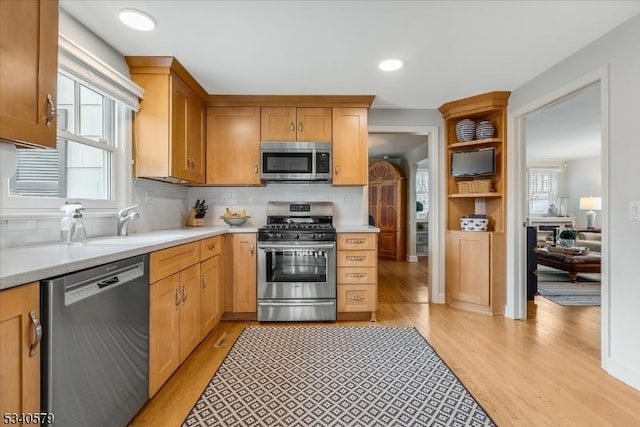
(390, 65)
(137, 20)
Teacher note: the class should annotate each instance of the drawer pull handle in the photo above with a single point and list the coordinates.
(300, 127)
(211, 247)
(292, 127)
(37, 329)
(356, 298)
(185, 295)
(255, 168)
(358, 275)
(177, 298)
(52, 111)
(251, 248)
(355, 258)
(205, 281)
(356, 241)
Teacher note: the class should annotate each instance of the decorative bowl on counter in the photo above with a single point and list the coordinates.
(235, 221)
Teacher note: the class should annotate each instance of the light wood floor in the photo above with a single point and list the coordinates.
(541, 372)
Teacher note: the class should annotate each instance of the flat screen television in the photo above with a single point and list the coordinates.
(480, 162)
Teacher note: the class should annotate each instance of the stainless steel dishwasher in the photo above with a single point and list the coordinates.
(96, 344)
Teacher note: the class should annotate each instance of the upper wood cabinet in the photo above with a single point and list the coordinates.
(233, 146)
(19, 349)
(28, 71)
(169, 128)
(295, 124)
(350, 151)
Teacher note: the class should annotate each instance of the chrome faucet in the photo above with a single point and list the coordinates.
(124, 216)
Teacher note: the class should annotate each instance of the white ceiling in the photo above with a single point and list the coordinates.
(393, 145)
(451, 49)
(569, 129)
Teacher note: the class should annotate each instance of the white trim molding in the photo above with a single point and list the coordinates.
(98, 74)
(516, 306)
(436, 212)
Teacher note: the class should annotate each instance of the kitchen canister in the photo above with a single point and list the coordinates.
(465, 130)
(484, 130)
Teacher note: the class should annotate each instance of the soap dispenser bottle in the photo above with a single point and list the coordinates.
(79, 233)
(68, 224)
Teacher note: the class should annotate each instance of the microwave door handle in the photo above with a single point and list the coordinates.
(314, 158)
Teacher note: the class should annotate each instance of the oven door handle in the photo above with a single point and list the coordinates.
(295, 247)
(300, 303)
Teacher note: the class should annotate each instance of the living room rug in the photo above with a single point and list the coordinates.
(334, 376)
(555, 286)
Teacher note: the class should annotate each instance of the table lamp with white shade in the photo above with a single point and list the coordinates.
(591, 204)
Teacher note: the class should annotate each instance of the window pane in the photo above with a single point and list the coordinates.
(87, 171)
(91, 114)
(422, 193)
(72, 170)
(66, 103)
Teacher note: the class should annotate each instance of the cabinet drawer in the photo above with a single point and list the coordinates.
(210, 247)
(356, 241)
(349, 275)
(356, 298)
(169, 261)
(357, 258)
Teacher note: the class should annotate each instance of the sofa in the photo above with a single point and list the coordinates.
(590, 239)
(587, 239)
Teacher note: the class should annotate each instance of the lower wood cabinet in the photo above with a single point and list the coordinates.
(244, 273)
(20, 349)
(474, 263)
(211, 289)
(174, 323)
(357, 273)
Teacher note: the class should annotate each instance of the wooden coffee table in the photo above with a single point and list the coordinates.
(572, 264)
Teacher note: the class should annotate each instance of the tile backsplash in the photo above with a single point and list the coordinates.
(164, 205)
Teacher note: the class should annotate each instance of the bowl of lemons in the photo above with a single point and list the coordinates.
(235, 219)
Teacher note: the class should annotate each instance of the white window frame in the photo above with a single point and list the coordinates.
(100, 77)
(553, 188)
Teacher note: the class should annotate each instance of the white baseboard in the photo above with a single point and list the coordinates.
(623, 373)
(412, 258)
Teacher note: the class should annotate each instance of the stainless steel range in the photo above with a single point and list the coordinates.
(297, 263)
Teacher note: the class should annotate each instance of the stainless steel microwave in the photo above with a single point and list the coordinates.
(295, 161)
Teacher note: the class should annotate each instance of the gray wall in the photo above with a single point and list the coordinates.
(583, 179)
(618, 51)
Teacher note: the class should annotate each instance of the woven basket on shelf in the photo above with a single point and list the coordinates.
(480, 186)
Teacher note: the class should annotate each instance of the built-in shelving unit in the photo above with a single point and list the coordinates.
(475, 260)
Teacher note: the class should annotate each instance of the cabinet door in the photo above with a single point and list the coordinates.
(189, 310)
(210, 304)
(278, 124)
(233, 145)
(387, 244)
(350, 146)
(164, 330)
(314, 124)
(28, 75)
(467, 266)
(180, 161)
(195, 138)
(19, 369)
(244, 273)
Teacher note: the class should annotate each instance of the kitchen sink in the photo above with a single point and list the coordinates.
(133, 240)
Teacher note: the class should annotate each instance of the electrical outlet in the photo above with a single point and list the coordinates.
(634, 210)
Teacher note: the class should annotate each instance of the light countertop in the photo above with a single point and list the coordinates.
(25, 264)
(30, 263)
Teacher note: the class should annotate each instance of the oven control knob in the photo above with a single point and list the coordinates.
(279, 235)
(297, 236)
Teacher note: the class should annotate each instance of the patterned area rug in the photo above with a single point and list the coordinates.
(555, 286)
(334, 376)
